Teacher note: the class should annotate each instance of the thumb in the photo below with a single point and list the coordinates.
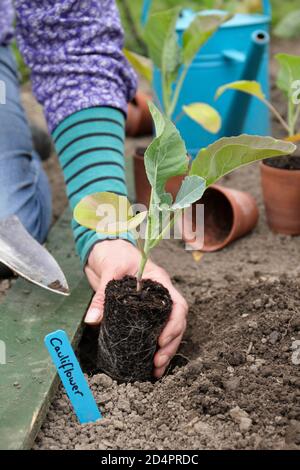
(95, 312)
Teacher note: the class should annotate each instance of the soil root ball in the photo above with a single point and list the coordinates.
(131, 325)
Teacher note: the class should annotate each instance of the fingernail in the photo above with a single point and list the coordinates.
(163, 360)
(93, 315)
(166, 341)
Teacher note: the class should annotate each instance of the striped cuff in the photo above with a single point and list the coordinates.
(90, 147)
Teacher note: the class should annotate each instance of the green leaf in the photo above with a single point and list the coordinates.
(161, 38)
(107, 213)
(158, 118)
(164, 49)
(198, 33)
(246, 86)
(289, 26)
(205, 115)
(230, 153)
(166, 156)
(289, 71)
(191, 190)
(140, 64)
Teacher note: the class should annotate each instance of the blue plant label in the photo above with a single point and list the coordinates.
(72, 377)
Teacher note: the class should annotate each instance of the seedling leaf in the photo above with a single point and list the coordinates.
(289, 71)
(160, 35)
(140, 64)
(191, 190)
(247, 86)
(107, 213)
(198, 33)
(204, 115)
(230, 153)
(166, 156)
(164, 49)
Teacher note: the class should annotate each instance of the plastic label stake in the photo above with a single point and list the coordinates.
(72, 377)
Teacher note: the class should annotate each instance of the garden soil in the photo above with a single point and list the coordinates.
(235, 383)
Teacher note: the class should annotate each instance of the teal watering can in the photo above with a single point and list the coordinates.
(239, 50)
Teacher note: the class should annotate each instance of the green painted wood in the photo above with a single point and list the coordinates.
(28, 380)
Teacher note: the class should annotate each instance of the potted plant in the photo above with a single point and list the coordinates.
(173, 60)
(139, 122)
(280, 177)
(136, 309)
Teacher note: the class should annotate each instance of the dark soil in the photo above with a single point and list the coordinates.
(240, 389)
(132, 323)
(284, 163)
(240, 385)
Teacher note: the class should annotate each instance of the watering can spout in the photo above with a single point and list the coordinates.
(241, 101)
(260, 40)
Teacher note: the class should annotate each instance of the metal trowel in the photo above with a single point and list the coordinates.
(21, 253)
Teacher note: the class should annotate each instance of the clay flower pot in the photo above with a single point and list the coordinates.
(142, 185)
(228, 215)
(281, 190)
(139, 120)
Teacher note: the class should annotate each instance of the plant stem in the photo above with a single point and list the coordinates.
(296, 117)
(141, 270)
(140, 245)
(147, 245)
(291, 118)
(166, 228)
(170, 225)
(277, 114)
(145, 250)
(165, 97)
(178, 117)
(177, 91)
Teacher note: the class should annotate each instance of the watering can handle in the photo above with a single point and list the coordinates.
(145, 11)
(266, 6)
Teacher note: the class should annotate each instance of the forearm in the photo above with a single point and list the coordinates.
(90, 147)
(74, 51)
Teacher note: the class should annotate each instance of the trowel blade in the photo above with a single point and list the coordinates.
(20, 252)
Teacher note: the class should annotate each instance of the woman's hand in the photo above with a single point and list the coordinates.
(114, 259)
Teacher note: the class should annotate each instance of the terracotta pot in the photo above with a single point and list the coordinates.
(228, 215)
(142, 185)
(281, 190)
(139, 120)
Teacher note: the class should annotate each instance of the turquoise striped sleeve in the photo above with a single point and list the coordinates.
(90, 148)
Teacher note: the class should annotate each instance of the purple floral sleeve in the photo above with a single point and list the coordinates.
(74, 51)
(6, 21)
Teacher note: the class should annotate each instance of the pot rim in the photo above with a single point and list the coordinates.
(274, 169)
(226, 192)
(139, 152)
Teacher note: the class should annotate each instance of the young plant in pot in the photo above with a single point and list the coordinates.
(173, 59)
(280, 176)
(136, 309)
